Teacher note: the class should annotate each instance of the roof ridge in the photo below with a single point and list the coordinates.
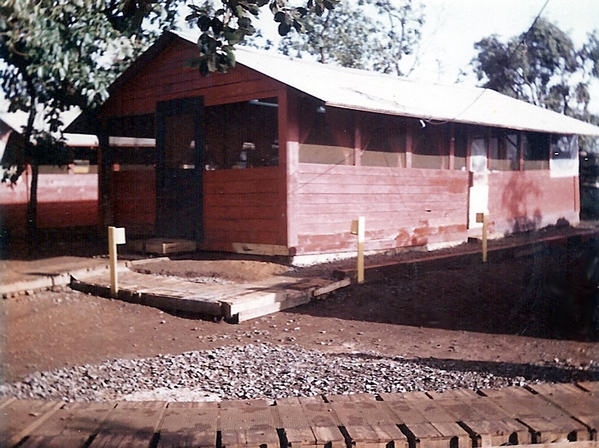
(192, 37)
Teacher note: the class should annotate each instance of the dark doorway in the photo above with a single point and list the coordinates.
(179, 195)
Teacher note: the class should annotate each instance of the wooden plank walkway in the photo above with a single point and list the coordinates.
(234, 302)
(549, 415)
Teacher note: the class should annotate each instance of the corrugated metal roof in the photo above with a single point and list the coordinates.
(388, 94)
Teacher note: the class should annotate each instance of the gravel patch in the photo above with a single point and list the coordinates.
(268, 371)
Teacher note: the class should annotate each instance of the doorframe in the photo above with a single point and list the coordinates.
(478, 181)
(166, 109)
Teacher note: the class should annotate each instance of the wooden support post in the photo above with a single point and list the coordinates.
(116, 235)
(357, 228)
(485, 229)
(483, 217)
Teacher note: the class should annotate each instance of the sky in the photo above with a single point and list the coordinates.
(453, 26)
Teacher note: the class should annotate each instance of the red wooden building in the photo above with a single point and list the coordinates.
(67, 195)
(278, 156)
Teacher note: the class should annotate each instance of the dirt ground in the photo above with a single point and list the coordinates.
(489, 315)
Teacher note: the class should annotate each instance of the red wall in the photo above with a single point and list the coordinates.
(309, 207)
(133, 194)
(402, 207)
(240, 206)
(526, 200)
(165, 78)
(243, 206)
(64, 200)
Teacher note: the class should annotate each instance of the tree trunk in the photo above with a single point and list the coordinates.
(31, 157)
(32, 204)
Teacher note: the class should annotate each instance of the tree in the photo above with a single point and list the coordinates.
(229, 25)
(372, 34)
(541, 66)
(60, 54)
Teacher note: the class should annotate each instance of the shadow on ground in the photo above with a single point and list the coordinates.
(507, 296)
(529, 372)
(48, 243)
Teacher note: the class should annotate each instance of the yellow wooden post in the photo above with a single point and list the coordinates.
(483, 217)
(485, 228)
(116, 235)
(357, 228)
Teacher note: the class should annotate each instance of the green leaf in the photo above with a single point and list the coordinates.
(204, 23)
(301, 11)
(217, 26)
(284, 28)
(244, 23)
(233, 36)
(230, 54)
(193, 62)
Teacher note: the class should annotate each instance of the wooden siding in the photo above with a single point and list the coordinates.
(307, 208)
(166, 78)
(134, 200)
(402, 207)
(243, 206)
(64, 200)
(526, 200)
(240, 206)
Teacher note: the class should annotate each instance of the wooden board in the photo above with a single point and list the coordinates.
(587, 444)
(250, 422)
(497, 432)
(335, 421)
(21, 417)
(130, 424)
(591, 386)
(365, 436)
(577, 404)
(559, 429)
(328, 437)
(434, 411)
(363, 413)
(189, 425)
(235, 302)
(391, 433)
(520, 403)
(73, 425)
(320, 415)
(262, 304)
(251, 417)
(426, 435)
(291, 416)
(405, 413)
(299, 437)
(250, 438)
(169, 246)
(5, 402)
